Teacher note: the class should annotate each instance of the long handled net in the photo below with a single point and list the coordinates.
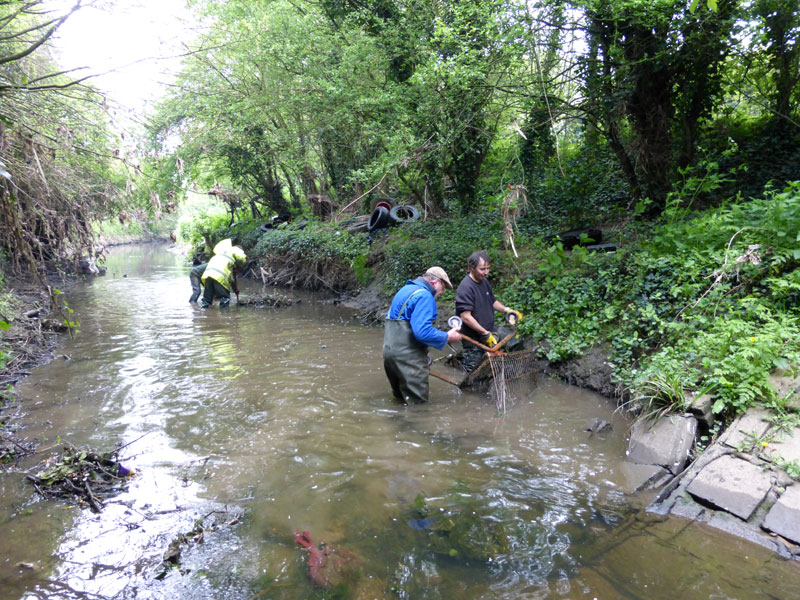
(509, 375)
(508, 371)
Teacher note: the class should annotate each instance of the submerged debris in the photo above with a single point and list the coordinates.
(268, 301)
(469, 532)
(328, 567)
(82, 475)
(172, 556)
(12, 448)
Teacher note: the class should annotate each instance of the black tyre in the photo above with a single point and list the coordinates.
(266, 227)
(378, 219)
(301, 224)
(602, 247)
(570, 239)
(402, 213)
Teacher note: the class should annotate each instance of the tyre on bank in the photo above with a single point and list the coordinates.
(378, 219)
(403, 213)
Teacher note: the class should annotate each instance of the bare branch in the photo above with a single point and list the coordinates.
(46, 36)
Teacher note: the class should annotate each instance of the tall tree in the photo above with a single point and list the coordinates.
(57, 152)
(654, 71)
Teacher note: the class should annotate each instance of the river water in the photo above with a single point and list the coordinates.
(244, 425)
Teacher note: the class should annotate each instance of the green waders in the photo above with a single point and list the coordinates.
(405, 360)
(214, 289)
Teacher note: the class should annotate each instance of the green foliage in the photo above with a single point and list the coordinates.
(563, 300)
(586, 186)
(312, 242)
(199, 218)
(6, 308)
(660, 394)
(328, 257)
(446, 243)
(708, 303)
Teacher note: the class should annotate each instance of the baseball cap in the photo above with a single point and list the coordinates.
(439, 273)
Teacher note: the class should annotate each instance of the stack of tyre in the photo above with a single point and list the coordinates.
(386, 215)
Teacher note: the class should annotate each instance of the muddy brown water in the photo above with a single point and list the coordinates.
(258, 422)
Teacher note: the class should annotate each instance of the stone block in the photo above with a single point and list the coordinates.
(787, 386)
(732, 484)
(665, 443)
(785, 446)
(752, 424)
(700, 407)
(636, 477)
(784, 516)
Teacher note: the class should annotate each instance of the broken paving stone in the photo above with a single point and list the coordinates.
(786, 447)
(746, 429)
(666, 442)
(732, 484)
(784, 516)
(637, 477)
(701, 408)
(787, 385)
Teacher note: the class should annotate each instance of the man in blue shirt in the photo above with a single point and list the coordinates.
(409, 330)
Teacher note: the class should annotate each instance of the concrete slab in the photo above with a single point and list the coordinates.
(784, 516)
(786, 446)
(752, 424)
(732, 484)
(688, 509)
(700, 407)
(665, 443)
(639, 477)
(733, 526)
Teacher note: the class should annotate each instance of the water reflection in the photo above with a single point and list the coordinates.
(284, 416)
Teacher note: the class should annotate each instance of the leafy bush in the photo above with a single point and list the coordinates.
(709, 303)
(314, 241)
(585, 187)
(316, 256)
(199, 218)
(446, 243)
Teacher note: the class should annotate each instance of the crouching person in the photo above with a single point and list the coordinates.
(219, 278)
(409, 330)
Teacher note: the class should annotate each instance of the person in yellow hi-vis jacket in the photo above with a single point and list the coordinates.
(219, 278)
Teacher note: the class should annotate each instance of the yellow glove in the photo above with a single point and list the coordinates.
(489, 340)
(513, 316)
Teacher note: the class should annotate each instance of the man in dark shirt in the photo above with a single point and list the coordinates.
(476, 305)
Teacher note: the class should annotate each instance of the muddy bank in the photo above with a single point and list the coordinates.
(592, 371)
(38, 319)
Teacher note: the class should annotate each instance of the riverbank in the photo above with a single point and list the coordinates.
(36, 317)
(28, 342)
(659, 319)
(593, 370)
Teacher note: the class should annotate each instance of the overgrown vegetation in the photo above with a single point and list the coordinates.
(707, 303)
(315, 257)
(672, 125)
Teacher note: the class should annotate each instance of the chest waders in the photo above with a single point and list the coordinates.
(405, 359)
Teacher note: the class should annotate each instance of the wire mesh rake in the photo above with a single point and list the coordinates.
(509, 372)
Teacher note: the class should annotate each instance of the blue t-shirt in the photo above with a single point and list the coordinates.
(420, 311)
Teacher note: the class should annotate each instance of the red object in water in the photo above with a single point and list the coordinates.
(317, 559)
(326, 566)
